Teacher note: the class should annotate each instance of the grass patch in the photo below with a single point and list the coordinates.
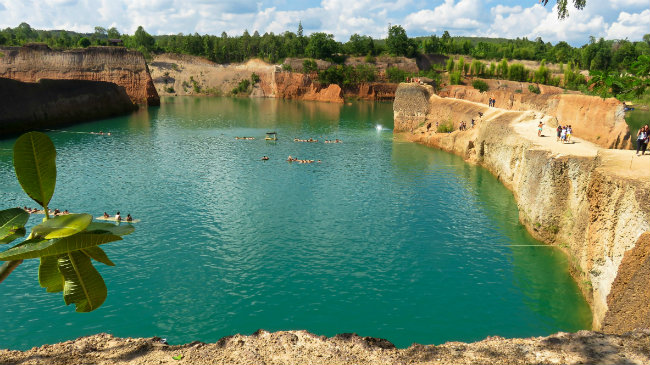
(480, 85)
(445, 127)
(534, 89)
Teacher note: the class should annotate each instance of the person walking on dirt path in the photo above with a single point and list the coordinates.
(559, 132)
(539, 129)
(642, 139)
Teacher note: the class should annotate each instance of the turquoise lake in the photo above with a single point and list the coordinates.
(383, 238)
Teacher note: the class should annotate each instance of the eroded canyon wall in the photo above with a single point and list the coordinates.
(118, 65)
(588, 201)
(28, 106)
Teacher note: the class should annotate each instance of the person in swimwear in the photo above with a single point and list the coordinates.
(118, 217)
(106, 215)
(129, 218)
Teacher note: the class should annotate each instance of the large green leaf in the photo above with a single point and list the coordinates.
(49, 275)
(98, 254)
(12, 224)
(62, 226)
(99, 227)
(39, 248)
(35, 164)
(83, 285)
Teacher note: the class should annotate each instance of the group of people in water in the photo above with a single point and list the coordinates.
(118, 217)
(305, 140)
(296, 159)
(101, 133)
(244, 137)
(642, 139)
(334, 141)
(50, 211)
(563, 132)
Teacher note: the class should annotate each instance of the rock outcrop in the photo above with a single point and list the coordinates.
(302, 347)
(54, 103)
(601, 121)
(591, 202)
(191, 75)
(118, 65)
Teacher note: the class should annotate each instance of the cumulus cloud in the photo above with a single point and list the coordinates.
(630, 24)
(613, 19)
(450, 15)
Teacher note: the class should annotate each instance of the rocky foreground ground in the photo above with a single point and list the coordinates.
(302, 347)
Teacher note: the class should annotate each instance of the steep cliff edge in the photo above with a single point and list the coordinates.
(190, 75)
(597, 120)
(53, 103)
(590, 201)
(118, 65)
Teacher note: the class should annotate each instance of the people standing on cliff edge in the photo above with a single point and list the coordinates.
(642, 139)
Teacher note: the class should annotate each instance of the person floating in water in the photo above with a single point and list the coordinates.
(106, 215)
(118, 217)
(265, 158)
(129, 218)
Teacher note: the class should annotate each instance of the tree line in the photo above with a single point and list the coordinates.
(615, 62)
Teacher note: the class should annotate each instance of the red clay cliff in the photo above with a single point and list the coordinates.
(118, 65)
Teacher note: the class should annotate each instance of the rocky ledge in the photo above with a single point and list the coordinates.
(302, 347)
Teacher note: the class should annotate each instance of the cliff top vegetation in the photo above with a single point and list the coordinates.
(617, 67)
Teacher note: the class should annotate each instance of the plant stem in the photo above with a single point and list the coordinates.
(7, 268)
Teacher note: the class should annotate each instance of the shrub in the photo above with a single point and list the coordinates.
(286, 67)
(255, 78)
(517, 72)
(480, 85)
(450, 65)
(445, 127)
(454, 78)
(309, 65)
(518, 91)
(170, 90)
(370, 58)
(242, 87)
(534, 89)
(394, 74)
(175, 67)
(84, 42)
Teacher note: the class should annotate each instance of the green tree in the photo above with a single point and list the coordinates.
(398, 43)
(321, 46)
(143, 39)
(562, 11)
(64, 244)
(84, 42)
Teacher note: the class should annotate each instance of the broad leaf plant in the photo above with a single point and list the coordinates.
(65, 244)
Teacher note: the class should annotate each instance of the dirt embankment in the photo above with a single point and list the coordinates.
(53, 103)
(301, 347)
(191, 75)
(601, 121)
(590, 201)
(118, 65)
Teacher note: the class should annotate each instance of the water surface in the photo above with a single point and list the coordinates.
(383, 238)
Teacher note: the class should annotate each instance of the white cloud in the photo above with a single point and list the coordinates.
(450, 15)
(630, 25)
(613, 19)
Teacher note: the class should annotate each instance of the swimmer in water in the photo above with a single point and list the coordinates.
(106, 215)
(118, 217)
(265, 158)
(129, 218)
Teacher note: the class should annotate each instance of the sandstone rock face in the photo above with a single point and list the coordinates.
(302, 347)
(290, 85)
(372, 91)
(110, 64)
(179, 74)
(591, 202)
(601, 121)
(53, 103)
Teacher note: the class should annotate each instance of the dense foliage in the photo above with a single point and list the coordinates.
(616, 65)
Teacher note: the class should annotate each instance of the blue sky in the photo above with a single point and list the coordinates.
(614, 19)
